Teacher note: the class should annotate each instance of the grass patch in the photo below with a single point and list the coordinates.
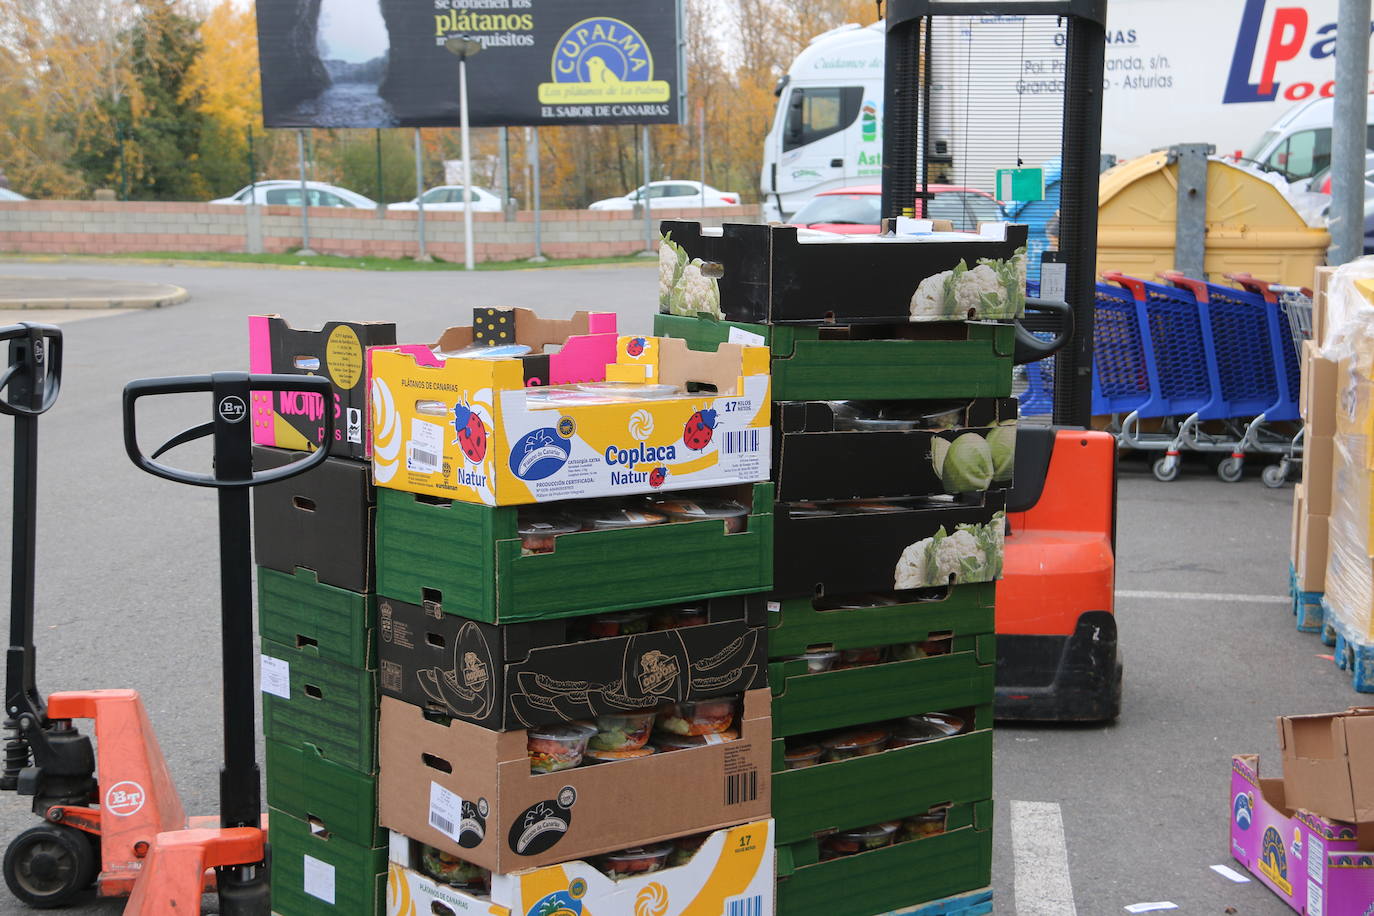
(340, 262)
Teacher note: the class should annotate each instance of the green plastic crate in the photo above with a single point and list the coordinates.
(329, 866)
(807, 366)
(466, 559)
(804, 703)
(896, 783)
(794, 624)
(332, 707)
(301, 782)
(296, 610)
(882, 880)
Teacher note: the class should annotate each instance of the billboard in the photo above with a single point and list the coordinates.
(382, 63)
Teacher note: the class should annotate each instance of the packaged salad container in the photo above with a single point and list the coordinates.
(639, 860)
(666, 741)
(852, 842)
(921, 826)
(592, 755)
(621, 623)
(857, 658)
(696, 508)
(684, 848)
(799, 758)
(817, 661)
(699, 717)
(623, 731)
(538, 531)
(857, 743)
(557, 747)
(609, 518)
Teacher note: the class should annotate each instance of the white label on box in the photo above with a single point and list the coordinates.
(1054, 281)
(319, 879)
(747, 338)
(1316, 858)
(713, 739)
(276, 677)
(425, 451)
(1314, 899)
(774, 607)
(445, 811)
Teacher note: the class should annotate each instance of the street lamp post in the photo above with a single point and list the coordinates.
(465, 46)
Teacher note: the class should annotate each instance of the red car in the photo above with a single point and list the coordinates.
(856, 210)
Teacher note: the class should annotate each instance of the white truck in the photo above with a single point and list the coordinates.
(1177, 71)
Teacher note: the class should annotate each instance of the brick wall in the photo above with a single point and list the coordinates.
(110, 227)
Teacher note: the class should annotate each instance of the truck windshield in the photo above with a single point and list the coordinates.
(814, 112)
(853, 209)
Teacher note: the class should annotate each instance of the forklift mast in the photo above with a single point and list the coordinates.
(906, 170)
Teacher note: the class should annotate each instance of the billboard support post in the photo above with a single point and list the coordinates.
(505, 173)
(1348, 134)
(468, 255)
(305, 196)
(533, 155)
(420, 198)
(381, 185)
(648, 201)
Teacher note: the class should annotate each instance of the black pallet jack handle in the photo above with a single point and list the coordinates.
(233, 475)
(29, 385)
(1030, 348)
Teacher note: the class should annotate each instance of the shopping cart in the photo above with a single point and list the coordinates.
(1242, 331)
(1154, 359)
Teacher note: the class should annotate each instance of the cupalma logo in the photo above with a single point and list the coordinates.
(652, 900)
(602, 61)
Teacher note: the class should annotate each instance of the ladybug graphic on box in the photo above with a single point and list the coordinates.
(471, 432)
(700, 427)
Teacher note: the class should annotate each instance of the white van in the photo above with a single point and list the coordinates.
(1299, 144)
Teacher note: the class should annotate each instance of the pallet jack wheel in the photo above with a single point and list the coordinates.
(1230, 469)
(1166, 469)
(48, 865)
(1274, 476)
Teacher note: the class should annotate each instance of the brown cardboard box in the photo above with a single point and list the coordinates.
(1295, 528)
(1314, 548)
(1317, 402)
(1321, 284)
(1328, 764)
(1318, 467)
(476, 784)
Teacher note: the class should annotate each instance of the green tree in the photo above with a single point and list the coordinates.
(168, 129)
(353, 159)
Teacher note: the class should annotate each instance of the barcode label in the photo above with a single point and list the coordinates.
(425, 448)
(744, 906)
(744, 440)
(445, 811)
(420, 461)
(741, 787)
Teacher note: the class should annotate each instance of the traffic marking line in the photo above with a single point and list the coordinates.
(1041, 861)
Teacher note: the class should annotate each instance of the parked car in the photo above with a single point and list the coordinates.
(289, 192)
(671, 193)
(857, 210)
(450, 197)
(7, 195)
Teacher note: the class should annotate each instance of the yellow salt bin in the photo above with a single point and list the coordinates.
(1251, 228)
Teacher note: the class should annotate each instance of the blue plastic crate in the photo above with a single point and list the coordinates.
(973, 903)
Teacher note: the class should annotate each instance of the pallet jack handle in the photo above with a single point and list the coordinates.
(242, 889)
(1030, 348)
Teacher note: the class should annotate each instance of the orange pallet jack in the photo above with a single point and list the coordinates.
(127, 831)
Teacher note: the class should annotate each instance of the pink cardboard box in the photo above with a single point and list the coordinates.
(1311, 862)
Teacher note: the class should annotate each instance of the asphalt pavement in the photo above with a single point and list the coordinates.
(128, 588)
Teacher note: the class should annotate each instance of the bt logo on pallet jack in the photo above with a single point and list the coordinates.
(232, 409)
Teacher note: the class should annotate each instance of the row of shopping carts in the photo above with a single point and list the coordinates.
(1181, 364)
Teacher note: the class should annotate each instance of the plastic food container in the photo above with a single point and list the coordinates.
(593, 755)
(684, 848)
(628, 390)
(641, 860)
(626, 731)
(666, 742)
(799, 758)
(452, 870)
(922, 825)
(624, 623)
(701, 508)
(851, 842)
(557, 747)
(854, 602)
(700, 717)
(816, 662)
(906, 651)
(537, 531)
(809, 510)
(857, 658)
(614, 517)
(673, 618)
(858, 743)
(871, 507)
(920, 729)
(952, 724)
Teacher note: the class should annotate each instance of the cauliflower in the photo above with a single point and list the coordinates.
(928, 302)
(671, 260)
(993, 289)
(973, 553)
(694, 293)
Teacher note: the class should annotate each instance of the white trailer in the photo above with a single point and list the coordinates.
(1177, 71)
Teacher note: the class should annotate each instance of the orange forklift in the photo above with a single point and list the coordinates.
(1057, 653)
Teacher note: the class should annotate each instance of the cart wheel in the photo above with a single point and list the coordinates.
(48, 865)
(1274, 476)
(1166, 469)
(1230, 469)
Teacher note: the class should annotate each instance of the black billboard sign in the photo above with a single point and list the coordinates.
(382, 63)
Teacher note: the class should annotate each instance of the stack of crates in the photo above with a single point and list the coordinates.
(317, 613)
(1312, 497)
(892, 454)
(571, 660)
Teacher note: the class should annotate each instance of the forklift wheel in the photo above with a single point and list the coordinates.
(49, 865)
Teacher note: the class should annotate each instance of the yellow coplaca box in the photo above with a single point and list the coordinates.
(657, 417)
